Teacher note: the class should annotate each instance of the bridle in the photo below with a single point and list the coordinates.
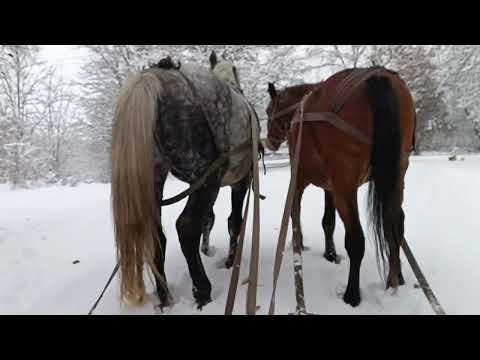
(272, 139)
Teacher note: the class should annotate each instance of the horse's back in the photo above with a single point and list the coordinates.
(200, 118)
(334, 151)
(236, 128)
(357, 109)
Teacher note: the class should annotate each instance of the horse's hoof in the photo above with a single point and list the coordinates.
(332, 257)
(166, 301)
(230, 260)
(205, 249)
(352, 298)
(395, 283)
(163, 306)
(229, 263)
(203, 302)
(202, 298)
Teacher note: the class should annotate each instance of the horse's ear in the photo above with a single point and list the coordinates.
(213, 60)
(271, 90)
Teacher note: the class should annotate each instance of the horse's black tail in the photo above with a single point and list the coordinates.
(414, 144)
(385, 161)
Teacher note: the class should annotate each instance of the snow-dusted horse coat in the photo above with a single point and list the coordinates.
(178, 120)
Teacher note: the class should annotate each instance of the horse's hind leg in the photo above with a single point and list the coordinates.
(396, 229)
(328, 224)
(347, 207)
(161, 284)
(160, 249)
(207, 229)
(235, 220)
(189, 228)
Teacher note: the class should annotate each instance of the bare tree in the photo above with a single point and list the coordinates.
(20, 78)
(339, 56)
(460, 79)
(57, 119)
(416, 65)
(102, 77)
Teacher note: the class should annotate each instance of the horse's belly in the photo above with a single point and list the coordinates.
(238, 169)
(323, 182)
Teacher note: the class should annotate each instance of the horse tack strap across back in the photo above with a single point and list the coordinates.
(350, 84)
(201, 181)
(345, 89)
(213, 167)
(335, 120)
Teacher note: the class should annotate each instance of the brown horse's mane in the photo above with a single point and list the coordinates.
(297, 92)
(167, 64)
(301, 89)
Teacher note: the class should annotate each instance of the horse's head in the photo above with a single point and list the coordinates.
(281, 108)
(279, 111)
(225, 71)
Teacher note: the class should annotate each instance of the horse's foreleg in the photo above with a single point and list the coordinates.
(328, 224)
(207, 229)
(296, 217)
(297, 251)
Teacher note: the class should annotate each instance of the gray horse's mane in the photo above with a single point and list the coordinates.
(224, 70)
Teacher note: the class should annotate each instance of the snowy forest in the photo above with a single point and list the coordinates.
(57, 131)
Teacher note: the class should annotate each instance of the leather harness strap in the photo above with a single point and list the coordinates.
(282, 237)
(255, 254)
(286, 111)
(251, 303)
(350, 84)
(335, 120)
(232, 290)
(222, 159)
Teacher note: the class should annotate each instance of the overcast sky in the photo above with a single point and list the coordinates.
(68, 58)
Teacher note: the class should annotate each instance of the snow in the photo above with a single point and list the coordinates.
(44, 231)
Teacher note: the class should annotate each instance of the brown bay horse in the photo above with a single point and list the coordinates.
(358, 127)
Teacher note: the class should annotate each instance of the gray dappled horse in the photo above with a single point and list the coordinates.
(178, 120)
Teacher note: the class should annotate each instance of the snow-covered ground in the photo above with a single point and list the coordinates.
(43, 231)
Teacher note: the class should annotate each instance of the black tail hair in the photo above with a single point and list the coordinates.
(414, 145)
(385, 161)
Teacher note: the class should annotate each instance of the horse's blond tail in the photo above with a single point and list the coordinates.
(134, 206)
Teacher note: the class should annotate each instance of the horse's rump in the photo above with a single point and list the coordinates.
(345, 95)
